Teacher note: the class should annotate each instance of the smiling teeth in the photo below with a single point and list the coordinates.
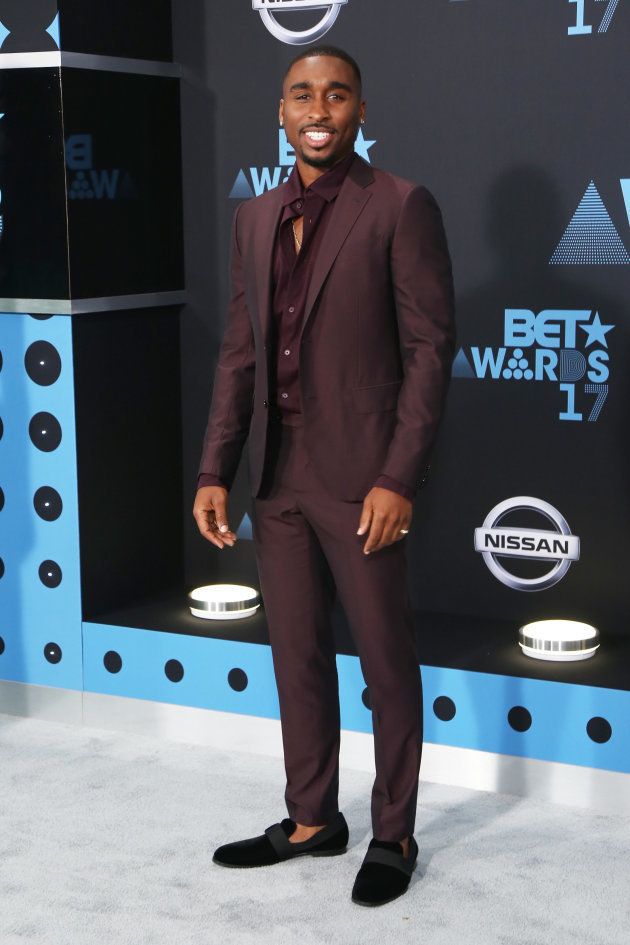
(318, 135)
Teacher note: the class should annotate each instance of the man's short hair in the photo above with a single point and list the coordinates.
(333, 51)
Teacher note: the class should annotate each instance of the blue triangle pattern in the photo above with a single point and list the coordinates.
(462, 366)
(244, 530)
(241, 189)
(591, 238)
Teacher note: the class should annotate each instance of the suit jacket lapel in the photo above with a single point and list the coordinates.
(349, 203)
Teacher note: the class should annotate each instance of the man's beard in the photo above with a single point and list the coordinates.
(319, 161)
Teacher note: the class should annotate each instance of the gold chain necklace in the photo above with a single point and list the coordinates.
(298, 242)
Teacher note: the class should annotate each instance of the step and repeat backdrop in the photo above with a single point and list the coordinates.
(513, 116)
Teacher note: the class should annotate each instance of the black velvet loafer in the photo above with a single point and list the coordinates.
(385, 872)
(274, 845)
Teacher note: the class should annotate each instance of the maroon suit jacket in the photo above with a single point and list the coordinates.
(376, 345)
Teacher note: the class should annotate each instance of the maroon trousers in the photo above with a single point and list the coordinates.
(305, 539)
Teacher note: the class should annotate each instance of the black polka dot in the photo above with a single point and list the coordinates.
(519, 718)
(237, 679)
(1, 361)
(1, 500)
(1, 646)
(50, 573)
(599, 729)
(1, 568)
(52, 652)
(174, 670)
(39, 316)
(444, 708)
(112, 661)
(42, 363)
(1, 428)
(48, 504)
(45, 431)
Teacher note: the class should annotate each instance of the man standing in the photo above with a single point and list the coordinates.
(335, 361)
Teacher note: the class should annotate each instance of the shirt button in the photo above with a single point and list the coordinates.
(299, 205)
(286, 351)
(285, 395)
(292, 309)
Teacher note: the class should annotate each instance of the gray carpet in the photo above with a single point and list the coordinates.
(108, 838)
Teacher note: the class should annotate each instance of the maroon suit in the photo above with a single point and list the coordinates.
(375, 348)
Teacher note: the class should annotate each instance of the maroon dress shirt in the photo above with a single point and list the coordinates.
(291, 276)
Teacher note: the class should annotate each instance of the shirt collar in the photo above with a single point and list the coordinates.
(326, 186)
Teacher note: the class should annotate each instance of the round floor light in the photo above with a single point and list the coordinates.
(223, 601)
(560, 640)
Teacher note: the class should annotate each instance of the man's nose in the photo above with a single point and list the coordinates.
(319, 109)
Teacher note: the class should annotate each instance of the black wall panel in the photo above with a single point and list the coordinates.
(33, 248)
(123, 166)
(133, 30)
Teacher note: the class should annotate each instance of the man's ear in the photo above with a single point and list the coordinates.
(281, 112)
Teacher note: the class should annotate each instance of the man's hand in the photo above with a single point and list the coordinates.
(210, 512)
(388, 512)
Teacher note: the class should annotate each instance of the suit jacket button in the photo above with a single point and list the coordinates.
(265, 404)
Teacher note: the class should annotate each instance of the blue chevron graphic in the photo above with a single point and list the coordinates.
(591, 238)
(244, 530)
(461, 366)
(241, 189)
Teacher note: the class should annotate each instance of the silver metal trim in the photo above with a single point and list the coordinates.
(222, 607)
(259, 5)
(77, 60)
(31, 60)
(141, 300)
(86, 306)
(36, 306)
(559, 646)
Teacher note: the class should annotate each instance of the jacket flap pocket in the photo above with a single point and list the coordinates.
(376, 397)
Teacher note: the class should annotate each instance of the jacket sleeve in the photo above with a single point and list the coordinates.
(233, 387)
(423, 291)
(386, 482)
(206, 479)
